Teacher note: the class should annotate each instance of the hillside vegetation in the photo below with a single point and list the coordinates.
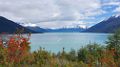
(15, 52)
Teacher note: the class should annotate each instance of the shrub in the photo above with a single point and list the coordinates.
(14, 48)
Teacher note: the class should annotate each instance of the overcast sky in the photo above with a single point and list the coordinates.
(59, 13)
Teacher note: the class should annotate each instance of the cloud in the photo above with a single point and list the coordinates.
(47, 9)
(28, 10)
(79, 9)
(53, 13)
(29, 24)
(117, 9)
(112, 3)
(59, 24)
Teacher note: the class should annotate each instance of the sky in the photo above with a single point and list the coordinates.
(59, 13)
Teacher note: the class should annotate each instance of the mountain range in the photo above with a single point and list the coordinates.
(74, 29)
(36, 29)
(109, 25)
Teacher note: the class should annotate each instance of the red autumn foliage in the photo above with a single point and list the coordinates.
(17, 46)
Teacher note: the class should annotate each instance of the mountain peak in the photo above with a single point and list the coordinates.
(1, 17)
(106, 26)
(116, 16)
(112, 17)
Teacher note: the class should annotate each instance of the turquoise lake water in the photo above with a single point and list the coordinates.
(54, 42)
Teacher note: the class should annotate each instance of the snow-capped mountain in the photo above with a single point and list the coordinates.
(67, 29)
(76, 28)
(106, 26)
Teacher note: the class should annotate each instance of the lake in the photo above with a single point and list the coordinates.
(54, 42)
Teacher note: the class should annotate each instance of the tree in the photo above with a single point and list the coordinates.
(114, 43)
(82, 55)
(72, 56)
